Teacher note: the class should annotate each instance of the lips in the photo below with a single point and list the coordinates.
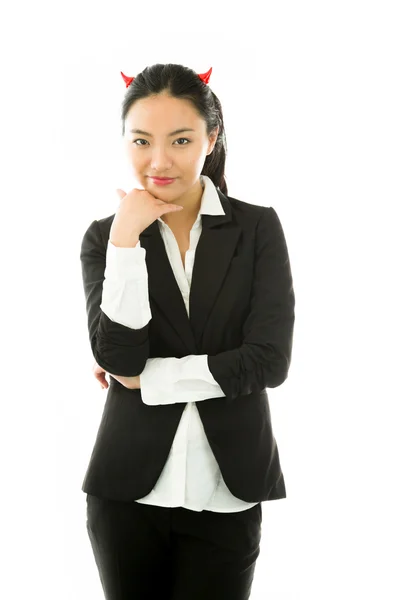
(162, 182)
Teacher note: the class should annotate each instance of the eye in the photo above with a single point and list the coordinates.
(138, 140)
(142, 140)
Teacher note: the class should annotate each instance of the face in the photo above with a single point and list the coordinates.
(161, 153)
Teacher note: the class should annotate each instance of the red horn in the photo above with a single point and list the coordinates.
(128, 80)
(205, 76)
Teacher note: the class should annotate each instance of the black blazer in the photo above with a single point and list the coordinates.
(241, 315)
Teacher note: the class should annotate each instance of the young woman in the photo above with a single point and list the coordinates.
(190, 306)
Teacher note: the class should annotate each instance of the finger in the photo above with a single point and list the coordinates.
(172, 208)
(100, 378)
(121, 193)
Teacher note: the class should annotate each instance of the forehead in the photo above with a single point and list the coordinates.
(163, 111)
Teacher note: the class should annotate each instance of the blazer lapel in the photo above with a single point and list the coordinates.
(215, 250)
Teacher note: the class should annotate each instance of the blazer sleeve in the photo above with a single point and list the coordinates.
(264, 357)
(117, 348)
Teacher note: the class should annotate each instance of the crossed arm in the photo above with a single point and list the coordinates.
(132, 383)
(262, 360)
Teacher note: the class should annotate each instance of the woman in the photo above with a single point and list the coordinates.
(190, 307)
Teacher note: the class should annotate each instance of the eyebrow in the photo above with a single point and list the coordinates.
(170, 134)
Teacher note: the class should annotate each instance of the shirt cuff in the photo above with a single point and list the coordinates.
(170, 380)
(125, 263)
(125, 295)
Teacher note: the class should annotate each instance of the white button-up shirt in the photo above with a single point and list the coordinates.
(191, 477)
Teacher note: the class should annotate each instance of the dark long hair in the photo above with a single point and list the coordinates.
(181, 82)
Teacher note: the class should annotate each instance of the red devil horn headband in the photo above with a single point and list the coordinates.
(205, 77)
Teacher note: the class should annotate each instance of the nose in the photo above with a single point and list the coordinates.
(160, 160)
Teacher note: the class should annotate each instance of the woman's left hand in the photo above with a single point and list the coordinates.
(132, 383)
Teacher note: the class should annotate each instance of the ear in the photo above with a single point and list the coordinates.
(213, 139)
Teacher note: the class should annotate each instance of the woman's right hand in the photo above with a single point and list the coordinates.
(136, 211)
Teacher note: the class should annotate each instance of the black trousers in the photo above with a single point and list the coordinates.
(146, 552)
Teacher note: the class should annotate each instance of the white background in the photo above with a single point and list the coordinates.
(310, 95)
